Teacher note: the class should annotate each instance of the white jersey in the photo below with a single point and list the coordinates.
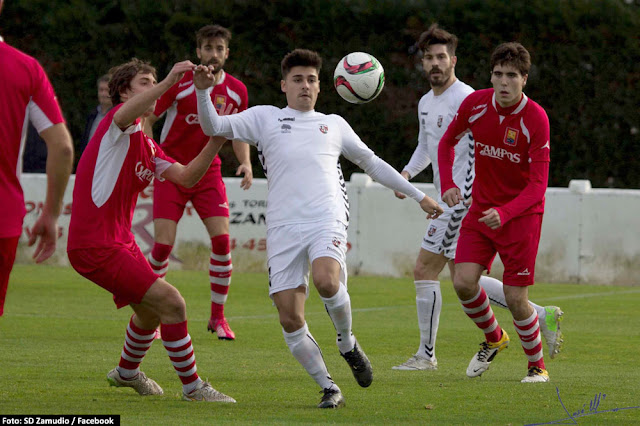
(435, 113)
(300, 152)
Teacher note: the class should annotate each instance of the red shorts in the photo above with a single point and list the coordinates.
(209, 198)
(123, 271)
(8, 247)
(516, 243)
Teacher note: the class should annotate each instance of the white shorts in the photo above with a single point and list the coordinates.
(442, 234)
(291, 248)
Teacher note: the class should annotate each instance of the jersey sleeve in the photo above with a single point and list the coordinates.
(446, 148)
(44, 110)
(353, 148)
(166, 100)
(162, 160)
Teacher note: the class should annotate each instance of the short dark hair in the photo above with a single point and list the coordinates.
(300, 58)
(212, 31)
(103, 79)
(122, 75)
(436, 35)
(513, 54)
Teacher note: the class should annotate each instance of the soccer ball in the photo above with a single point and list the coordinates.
(358, 78)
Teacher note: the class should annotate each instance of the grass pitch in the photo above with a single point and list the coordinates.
(61, 334)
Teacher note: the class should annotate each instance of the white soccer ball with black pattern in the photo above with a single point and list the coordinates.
(358, 78)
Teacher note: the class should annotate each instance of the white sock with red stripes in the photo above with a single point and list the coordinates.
(159, 258)
(529, 332)
(177, 342)
(220, 269)
(136, 344)
(479, 310)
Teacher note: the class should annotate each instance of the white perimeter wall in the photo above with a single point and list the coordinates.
(588, 235)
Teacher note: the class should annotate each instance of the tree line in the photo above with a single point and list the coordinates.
(585, 54)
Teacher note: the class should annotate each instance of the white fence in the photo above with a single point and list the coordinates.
(588, 235)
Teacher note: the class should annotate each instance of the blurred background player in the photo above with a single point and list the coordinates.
(97, 114)
(182, 138)
(119, 162)
(512, 152)
(307, 208)
(435, 112)
(26, 96)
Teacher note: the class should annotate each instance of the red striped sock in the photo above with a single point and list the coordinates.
(159, 258)
(136, 344)
(479, 310)
(177, 342)
(220, 269)
(529, 332)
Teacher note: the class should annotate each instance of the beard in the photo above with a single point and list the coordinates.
(440, 79)
(217, 66)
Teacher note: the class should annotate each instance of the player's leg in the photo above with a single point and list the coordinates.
(164, 232)
(167, 303)
(139, 336)
(328, 251)
(210, 201)
(8, 248)
(288, 264)
(549, 317)
(220, 270)
(303, 347)
(518, 248)
(169, 201)
(428, 305)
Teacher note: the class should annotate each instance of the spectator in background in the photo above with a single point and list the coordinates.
(97, 114)
(27, 95)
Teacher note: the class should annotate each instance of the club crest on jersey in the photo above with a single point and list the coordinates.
(220, 102)
(285, 128)
(336, 241)
(511, 136)
(432, 230)
(324, 128)
(440, 118)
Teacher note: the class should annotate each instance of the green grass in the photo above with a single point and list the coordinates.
(61, 334)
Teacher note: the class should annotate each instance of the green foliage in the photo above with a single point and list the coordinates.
(61, 334)
(586, 56)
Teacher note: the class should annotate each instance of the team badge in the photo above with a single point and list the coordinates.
(511, 136)
(432, 230)
(220, 102)
(324, 128)
(440, 118)
(336, 242)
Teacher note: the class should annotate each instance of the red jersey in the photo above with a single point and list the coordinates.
(182, 137)
(25, 95)
(115, 166)
(511, 151)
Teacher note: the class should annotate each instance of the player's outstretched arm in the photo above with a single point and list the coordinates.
(139, 104)
(398, 194)
(59, 165)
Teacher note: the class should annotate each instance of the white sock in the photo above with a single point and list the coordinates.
(304, 348)
(429, 306)
(495, 293)
(338, 307)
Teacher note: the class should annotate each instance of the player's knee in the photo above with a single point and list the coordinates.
(174, 304)
(291, 322)
(465, 285)
(425, 271)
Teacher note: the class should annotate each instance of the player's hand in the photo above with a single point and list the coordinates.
(247, 171)
(400, 195)
(203, 77)
(452, 196)
(45, 230)
(431, 207)
(178, 70)
(491, 218)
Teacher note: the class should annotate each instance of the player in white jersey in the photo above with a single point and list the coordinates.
(307, 207)
(436, 110)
